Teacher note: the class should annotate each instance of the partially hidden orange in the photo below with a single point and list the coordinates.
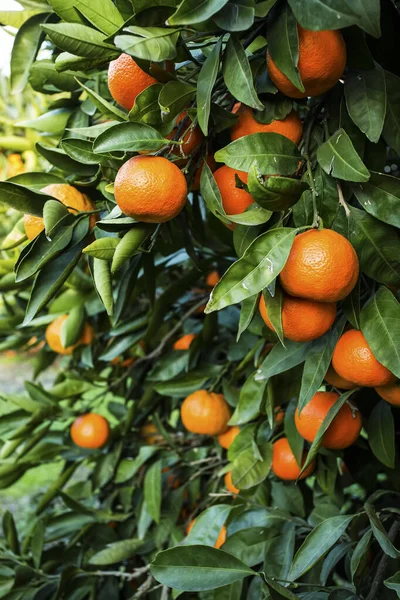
(291, 126)
(225, 439)
(53, 336)
(284, 464)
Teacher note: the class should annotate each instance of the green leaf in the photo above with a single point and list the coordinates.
(103, 248)
(53, 213)
(197, 568)
(191, 11)
(80, 40)
(37, 543)
(82, 151)
(238, 76)
(317, 544)
(370, 14)
(152, 490)
(243, 236)
(283, 46)
(380, 197)
(149, 43)
(26, 46)
(106, 108)
(380, 533)
(237, 15)
(250, 399)
(247, 312)
(376, 245)
(381, 433)
(360, 556)
(274, 306)
(318, 361)
(365, 93)
(23, 199)
(130, 244)
(10, 532)
(16, 18)
(259, 266)
(338, 157)
(274, 193)
(129, 137)
(282, 358)
(249, 544)
(391, 129)
(380, 324)
(102, 281)
(272, 153)
(116, 552)
(296, 442)
(318, 15)
(52, 121)
(277, 591)
(248, 470)
(103, 14)
(61, 160)
(393, 583)
(262, 8)
(71, 328)
(146, 108)
(208, 525)
(174, 97)
(205, 84)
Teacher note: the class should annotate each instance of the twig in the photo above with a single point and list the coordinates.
(342, 201)
(135, 574)
(380, 571)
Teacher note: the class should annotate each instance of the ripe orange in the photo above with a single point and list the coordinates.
(150, 434)
(302, 320)
(334, 379)
(221, 536)
(205, 413)
(353, 360)
(150, 189)
(210, 160)
(322, 265)
(234, 200)
(191, 140)
(225, 439)
(119, 361)
(184, 342)
(212, 279)
(53, 336)
(126, 80)
(322, 60)
(291, 126)
(15, 165)
(70, 197)
(341, 433)
(90, 431)
(390, 393)
(279, 416)
(229, 485)
(284, 463)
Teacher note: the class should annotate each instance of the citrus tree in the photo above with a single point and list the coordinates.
(212, 254)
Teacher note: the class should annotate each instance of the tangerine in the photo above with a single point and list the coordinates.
(184, 342)
(225, 439)
(149, 433)
(53, 336)
(212, 279)
(126, 80)
(334, 379)
(90, 431)
(291, 126)
(322, 266)
(205, 413)
(390, 393)
(235, 200)
(341, 433)
(284, 464)
(229, 484)
(150, 189)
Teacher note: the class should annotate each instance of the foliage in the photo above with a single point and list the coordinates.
(112, 524)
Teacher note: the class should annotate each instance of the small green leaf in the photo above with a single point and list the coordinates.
(26, 46)
(149, 43)
(380, 533)
(53, 213)
(71, 328)
(365, 93)
(102, 281)
(338, 157)
(116, 552)
(248, 470)
(130, 244)
(80, 40)
(381, 433)
(103, 248)
(152, 490)
(190, 11)
(283, 46)
(237, 74)
(380, 197)
(205, 84)
(129, 137)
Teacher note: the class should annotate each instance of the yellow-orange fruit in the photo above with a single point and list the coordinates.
(150, 434)
(390, 393)
(205, 413)
(184, 342)
(235, 200)
(90, 431)
(225, 439)
(284, 463)
(291, 126)
(126, 80)
(53, 336)
(334, 379)
(229, 484)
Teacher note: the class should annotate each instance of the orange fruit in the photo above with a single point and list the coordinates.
(390, 393)
(15, 165)
(334, 379)
(221, 536)
(225, 439)
(90, 431)
(212, 279)
(150, 189)
(341, 433)
(119, 361)
(279, 416)
(210, 160)
(53, 336)
(205, 413)
(150, 434)
(229, 485)
(353, 360)
(284, 463)
(322, 60)
(302, 320)
(184, 342)
(126, 80)
(322, 266)
(191, 140)
(70, 197)
(234, 200)
(291, 126)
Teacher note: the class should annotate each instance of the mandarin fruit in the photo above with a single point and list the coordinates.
(284, 464)
(229, 485)
(150, 189)
(205, 413)
(212, 279)
(90, 431)
(184, 342)
(354, 360)
(334, 379)
(150, 435)
(322, 266)
(53, 336)
(225, 439)
(191, 140)
(322, 60)
(302, 320)
(291, 126)
(341, 433)
(235, 200)
(126, 80)
(390, 393)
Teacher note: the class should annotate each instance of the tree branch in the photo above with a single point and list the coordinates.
(380, 571)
